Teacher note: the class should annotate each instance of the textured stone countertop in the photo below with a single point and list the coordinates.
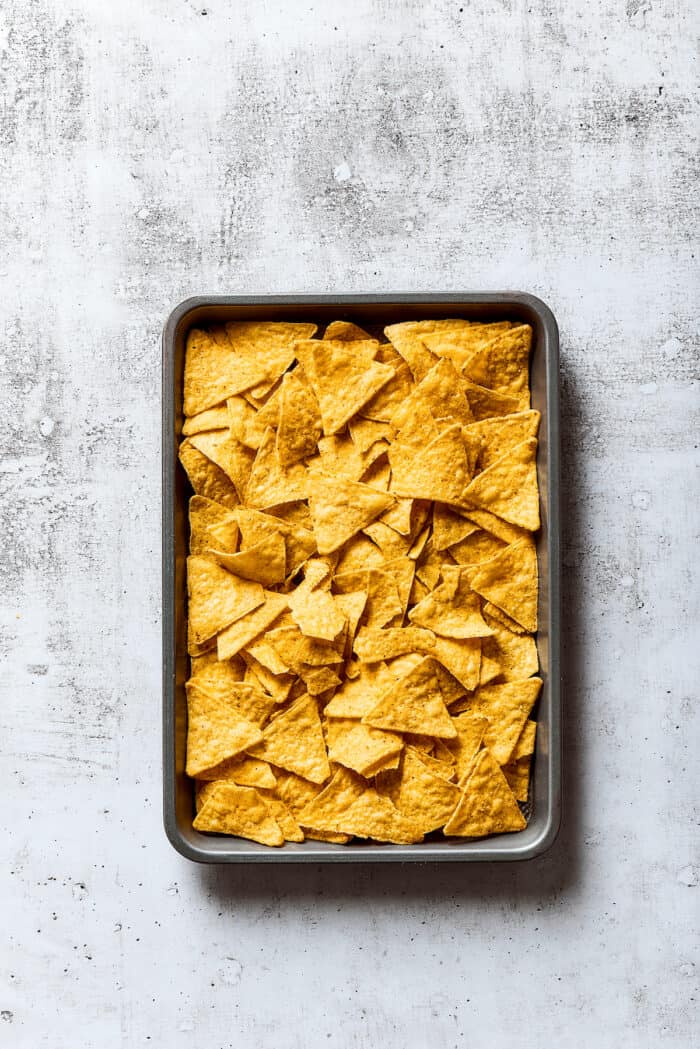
(157, 149)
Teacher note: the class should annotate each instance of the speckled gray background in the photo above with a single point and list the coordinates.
(153, 149)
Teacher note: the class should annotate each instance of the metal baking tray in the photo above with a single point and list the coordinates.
(373, 312)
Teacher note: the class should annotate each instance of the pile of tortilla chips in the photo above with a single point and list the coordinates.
(362, 582)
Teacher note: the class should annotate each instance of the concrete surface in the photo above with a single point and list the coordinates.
(156, 149)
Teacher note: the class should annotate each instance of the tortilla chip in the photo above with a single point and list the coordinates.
(441, 392)
(323, 812)
(211, 419)
(493, 612)
(371, 646)
(509, 580)
(206, 478)
(407, 339)
(499, 435)
(449, 527)
(263, 563)
(247, 772)
(365, 433)
(342, 379)
(515, 655)
(398, 516)
(299, 426)
(383, 405)
(440, 471)
(316, 613)
(486, 403)
(359, 747)
(204, 514)
(284, 816)
(420, 793)
(461, 344)
(487, 805)
(508, 488)
(340, 509)
(228, 454)
(470, 729)
(215, 731)
(295, 791)
(243, 699)
(517, 774)
(452, 609)
(503, 364)
(526, 742)
(216, 598)
(507, 707)
(374, 816)
(240, 416)
(231, 809)
(477, 547)
(346, 331)
(413, 704)
(319, 680)
(270, 483)
(294, 741)
(235, 637)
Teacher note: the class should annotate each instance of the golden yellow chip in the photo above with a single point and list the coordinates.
(206, 478)
(486, 403)
(294, 741)
(240, 416)
(383, 405)
(453, 609)
(407, 339)
(440, 391)
(243, 699)
(470, 730)
(216, 598)
(507, 707)
(516, 655)
(228, 454)
(323, 812)
(215, 731)
(497, 615)
(460, 344)
(284, 816)
(413, 704)
(248, 772)
(440, 471)
(342, 376)
(449, 527)
(299, 427)
(206, 515)
(499, 435)
(517, 774)
(503, 364)
(508, 488)
(509, 580)
(235, 637)
(264, 563)
(340, 509)
(271, 483)
(374, 816)
(526, 741)
(365, 433)
(346, 331)
(212, 419)
(421, 794)
(360, 747)
(487, 805)
(319, 680)
(231, 809)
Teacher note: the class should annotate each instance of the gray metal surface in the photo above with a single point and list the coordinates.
(372, 312)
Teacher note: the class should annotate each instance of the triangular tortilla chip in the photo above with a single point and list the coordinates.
(383, 405)
(206, 478)
(486, 403)
(255, 424)
(441, 392)
(247, 772)
(230, 809)
(440, 471)
(462, 657)
(294, 741)
(346, 331)
(406, 338)
(240, 415)
(354, 699)
(509, 580)
(339, 457)
(243, 699)
(413, 704)
(420, 793)
(229, 454)
(366, 432)
(398, 516)
(477, 547)
(295, 791)
(452, 609)
(235, 637)
(460, 345)
(449, 527)
(508, 487)
(264, 562)
(342, 380)
(316, 613)
(516, 656)
(204, 514)
(507, 707)
(374, 816)
(503, 364)
(383, 604)
(323, 812)
(487, 805)
(391, 543)
(470, 730)
(499, 435)
(270, 483)
(211, 419)
(359, 747)
(284, 817)
(299, 426)
(493, 612)
(339, 509)
(517, 774)
(216, 598)
(371, 646)
(526, 741)
(215, 731)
